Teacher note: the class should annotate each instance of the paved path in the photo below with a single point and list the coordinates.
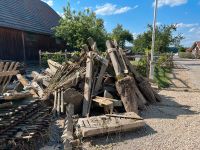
(194, 69)
(173, 124)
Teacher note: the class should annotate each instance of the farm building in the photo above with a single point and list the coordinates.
(195, 49)
(26, 28)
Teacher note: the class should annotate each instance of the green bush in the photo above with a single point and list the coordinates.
(59, 57)
(181, 49)
(186, 55)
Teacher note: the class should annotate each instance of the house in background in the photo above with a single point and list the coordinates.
(195, 49)
(26, 28)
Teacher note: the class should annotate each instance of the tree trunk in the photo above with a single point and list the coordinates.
(126, 89)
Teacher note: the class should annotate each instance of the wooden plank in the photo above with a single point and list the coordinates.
(62, 101)
(128, 115)
(8, 73)
(88, 84)
(54, 66)
(5, 67)
(16, 95)
(38, 88)
(99, 125)
(6, 105)
(102, 101)
(25, 83)
(114, 101)
(9, 69)
(58, 102)
(10, 77)
(100, 78)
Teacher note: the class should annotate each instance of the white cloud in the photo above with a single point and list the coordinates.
(171, 3)
(183, 25)
(49, 2)
(136, 6)
(110, 9)
(134, 35)
(158, 23)
(191, 34)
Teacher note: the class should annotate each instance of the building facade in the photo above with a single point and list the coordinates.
(25, 28)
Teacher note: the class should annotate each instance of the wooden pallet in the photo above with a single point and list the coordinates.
(7, 70)
(109, 124)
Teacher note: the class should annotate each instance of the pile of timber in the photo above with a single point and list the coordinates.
(108, 82)
(23, 126)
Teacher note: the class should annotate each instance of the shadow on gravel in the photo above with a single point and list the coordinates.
(167, 109)
(174, 77)
(112, 139)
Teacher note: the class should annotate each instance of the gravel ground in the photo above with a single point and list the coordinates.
(172, 124)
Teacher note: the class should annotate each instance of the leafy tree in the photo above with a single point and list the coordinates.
(121, 35)
(76, 27)
(164, 38)
(182, 49)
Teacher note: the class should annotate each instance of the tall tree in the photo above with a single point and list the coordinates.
(164, 38)
(76, 27)
(121, 35)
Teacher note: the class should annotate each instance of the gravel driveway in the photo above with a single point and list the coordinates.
(172, 124)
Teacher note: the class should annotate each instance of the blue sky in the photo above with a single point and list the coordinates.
(134, 15)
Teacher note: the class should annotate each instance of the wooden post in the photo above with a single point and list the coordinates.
(24, 48)
(68, 128)
(58, 102)
(126, 89)
(62, 101)
(114, 59)
(88, 84)
(55, 101)
(65, 54)
(40, 57)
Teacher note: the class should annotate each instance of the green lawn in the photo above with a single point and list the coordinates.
(161, 76)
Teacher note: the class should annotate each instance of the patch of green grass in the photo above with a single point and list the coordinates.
(161, 76)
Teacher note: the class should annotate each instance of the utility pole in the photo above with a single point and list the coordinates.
(151, 72)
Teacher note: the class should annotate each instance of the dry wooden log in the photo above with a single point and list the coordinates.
(143, 85)
(126, 89)
(68, 128)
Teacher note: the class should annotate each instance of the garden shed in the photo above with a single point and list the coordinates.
(25, 28)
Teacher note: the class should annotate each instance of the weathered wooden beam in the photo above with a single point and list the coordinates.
(25, 83)
(99, 125)
(115, 62)
(6, 105)
(68, 127)
(126, 90)
(88, 84)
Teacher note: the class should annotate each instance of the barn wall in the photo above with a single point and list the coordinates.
(11, 45)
